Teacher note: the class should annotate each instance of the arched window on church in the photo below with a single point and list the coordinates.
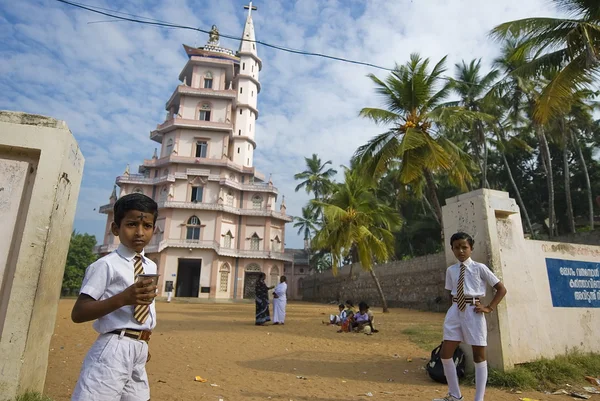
(257, 202)
(255, 242)
(208, 80)
(138, 190)
(276, 244)
(169, 148)
(224, 279)
(227, 240)
(274, 275)
(204, 112)
(193, 229)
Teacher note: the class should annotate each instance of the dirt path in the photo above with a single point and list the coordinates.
(220, 343)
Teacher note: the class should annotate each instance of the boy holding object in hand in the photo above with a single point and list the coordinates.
(122, 307)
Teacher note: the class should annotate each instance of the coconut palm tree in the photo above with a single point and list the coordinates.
(316, 178)
(522, 95)
(307, 224)
(472, 86)
(572, 45)
(414, 98)
(359, 225)
(581, 123)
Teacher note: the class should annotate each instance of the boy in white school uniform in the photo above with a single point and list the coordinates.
(122, 307)
(465, 320)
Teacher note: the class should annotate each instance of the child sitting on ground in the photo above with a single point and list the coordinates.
(337, 319)
(363, 320)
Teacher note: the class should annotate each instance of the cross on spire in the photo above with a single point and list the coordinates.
(250, 7)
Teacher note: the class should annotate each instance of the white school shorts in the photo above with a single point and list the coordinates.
(114, 369)
(467, 326)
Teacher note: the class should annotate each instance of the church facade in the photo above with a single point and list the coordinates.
(219, 224)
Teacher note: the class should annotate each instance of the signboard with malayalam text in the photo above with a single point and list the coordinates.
(573, 283)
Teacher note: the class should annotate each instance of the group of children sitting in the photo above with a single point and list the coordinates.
(350, 320)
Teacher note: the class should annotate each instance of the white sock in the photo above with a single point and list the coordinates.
(481, 375)
(451, 377)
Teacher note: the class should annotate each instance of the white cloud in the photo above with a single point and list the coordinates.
(110, 81)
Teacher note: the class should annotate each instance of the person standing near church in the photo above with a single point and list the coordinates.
(122, 307)
(169, 290)
(280, 301)
(465, 320)
(262, 301)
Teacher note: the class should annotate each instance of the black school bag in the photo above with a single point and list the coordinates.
(435, 369)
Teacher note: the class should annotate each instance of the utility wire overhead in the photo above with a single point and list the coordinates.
(164, 24)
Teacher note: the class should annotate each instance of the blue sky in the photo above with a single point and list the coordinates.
(110, 81)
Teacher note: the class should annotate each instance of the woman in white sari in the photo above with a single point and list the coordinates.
(279, 301)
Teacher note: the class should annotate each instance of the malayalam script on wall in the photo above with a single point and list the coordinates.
(574, 284)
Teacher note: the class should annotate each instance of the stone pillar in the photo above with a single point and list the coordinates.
(482, 213)
(40, 175)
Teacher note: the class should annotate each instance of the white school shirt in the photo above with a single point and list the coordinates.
(281, 291)
(477, 275)
(109, 276)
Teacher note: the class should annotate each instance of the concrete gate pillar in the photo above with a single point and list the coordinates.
(40, 174)
(480, 213)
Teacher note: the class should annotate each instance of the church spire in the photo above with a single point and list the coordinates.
(248, 44)
(113, 195)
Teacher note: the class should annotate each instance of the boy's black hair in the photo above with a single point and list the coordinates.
(341, 306)
(363, 305)
(348, 302)
(460, 235)
(135, 201)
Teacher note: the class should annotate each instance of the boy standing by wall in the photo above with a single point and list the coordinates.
(465, 320)
(122, 307)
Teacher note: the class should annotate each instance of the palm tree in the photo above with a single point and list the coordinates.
(316, 178)
(359, 225)
(581, 121)
(471, 86)
(572, 45)
(307, 224)
(414, 109)
(521, 95)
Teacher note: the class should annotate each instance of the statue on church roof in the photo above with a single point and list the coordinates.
(213, 36)
(126, 172)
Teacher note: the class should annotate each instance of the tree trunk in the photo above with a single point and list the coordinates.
(518, 195)
(355, 259)
(484, 162)
(588, 186)
(379, 289)
(432, 189)
(485, 183)
(567, 175)
(547, 162)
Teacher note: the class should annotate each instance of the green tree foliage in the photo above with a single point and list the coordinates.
(80, 256)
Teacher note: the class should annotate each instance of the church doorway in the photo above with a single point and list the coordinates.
(250, 279)
(188, 278)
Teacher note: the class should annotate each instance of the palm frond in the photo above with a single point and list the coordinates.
(379, 116)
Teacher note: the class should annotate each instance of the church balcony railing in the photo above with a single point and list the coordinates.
(178, 122)
(143, 180)
(254, 187)
(105, 209)
(204, 161)
(199, 92)
(223, 208)
(105, 248)
(215, 246)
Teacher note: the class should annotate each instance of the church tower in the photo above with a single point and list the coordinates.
(248, 87)
(219, 226)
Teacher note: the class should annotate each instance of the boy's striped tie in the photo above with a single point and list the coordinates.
(460, 289)
(141, 312)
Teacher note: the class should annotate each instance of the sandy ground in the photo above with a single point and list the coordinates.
(220, 343)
